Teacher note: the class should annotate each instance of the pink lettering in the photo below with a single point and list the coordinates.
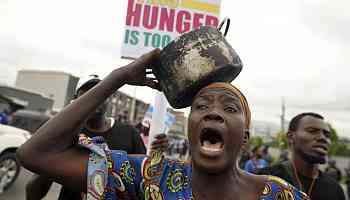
(211, 21)
(166, 19)
(183, 23)
(133, 15)
(150, 16)
(197, 20)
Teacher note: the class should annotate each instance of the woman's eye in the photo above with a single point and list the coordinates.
(230, 109)
(201, 107)
(312, 130)
(327, 134)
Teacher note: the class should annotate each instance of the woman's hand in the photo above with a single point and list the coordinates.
(59, 159)
(138, 70)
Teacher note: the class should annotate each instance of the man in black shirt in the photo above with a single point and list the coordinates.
(118, 136)
(309, 139)
(347, 181)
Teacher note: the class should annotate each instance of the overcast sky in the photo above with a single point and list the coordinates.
(296, 49)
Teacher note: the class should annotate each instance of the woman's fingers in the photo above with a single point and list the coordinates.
(150, 82)
(160, 143)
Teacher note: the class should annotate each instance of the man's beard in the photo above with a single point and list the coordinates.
(311, 158)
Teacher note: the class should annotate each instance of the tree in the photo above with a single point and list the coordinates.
(282, 140)
(256, 141)
(338, 147)
(335, 146)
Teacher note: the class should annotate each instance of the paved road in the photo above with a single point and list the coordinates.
(16, 192)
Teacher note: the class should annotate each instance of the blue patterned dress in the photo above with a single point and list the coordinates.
(113, 175)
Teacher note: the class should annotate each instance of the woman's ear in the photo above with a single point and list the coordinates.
(246, 137)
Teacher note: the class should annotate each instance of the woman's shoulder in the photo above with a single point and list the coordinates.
(277, 188)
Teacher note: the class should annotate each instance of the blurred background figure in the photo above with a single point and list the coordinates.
(266, 155)
(5, 116)
(245, 156)
(283, 156)
(117, 135)
(123, 118)
(333, 171)
(184, 150)
(347, 173)
(143, 128)
(256, 162)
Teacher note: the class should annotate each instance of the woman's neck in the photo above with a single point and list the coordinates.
(217, 186)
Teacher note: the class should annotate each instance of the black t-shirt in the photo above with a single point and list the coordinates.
(347, 181)
(333, 172)
(325, 188)
(119, 137)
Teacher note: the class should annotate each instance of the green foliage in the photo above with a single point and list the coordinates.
(343, 150)
(338, 147)
(282, 141)
(335, 145)
(256, 141)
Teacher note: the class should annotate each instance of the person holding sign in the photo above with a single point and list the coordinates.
(117, 135)
(218, 127)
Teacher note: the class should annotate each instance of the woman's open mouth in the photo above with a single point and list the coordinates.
(212, 142)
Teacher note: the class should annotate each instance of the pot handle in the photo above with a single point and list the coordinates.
(227, 21)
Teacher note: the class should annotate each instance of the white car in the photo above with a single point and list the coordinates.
(10, 139)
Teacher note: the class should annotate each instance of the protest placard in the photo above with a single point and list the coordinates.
(154, 23)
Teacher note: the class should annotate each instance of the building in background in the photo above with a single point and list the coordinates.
(179, 128)
(265, 130)
(60, 87)
(126, 108)
(56, 85)
(23, 99)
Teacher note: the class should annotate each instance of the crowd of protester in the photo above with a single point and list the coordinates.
(96, 157)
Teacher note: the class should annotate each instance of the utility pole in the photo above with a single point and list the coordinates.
(133, 107)
(283, 109)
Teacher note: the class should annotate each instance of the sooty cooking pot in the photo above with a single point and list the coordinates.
(194, 60)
